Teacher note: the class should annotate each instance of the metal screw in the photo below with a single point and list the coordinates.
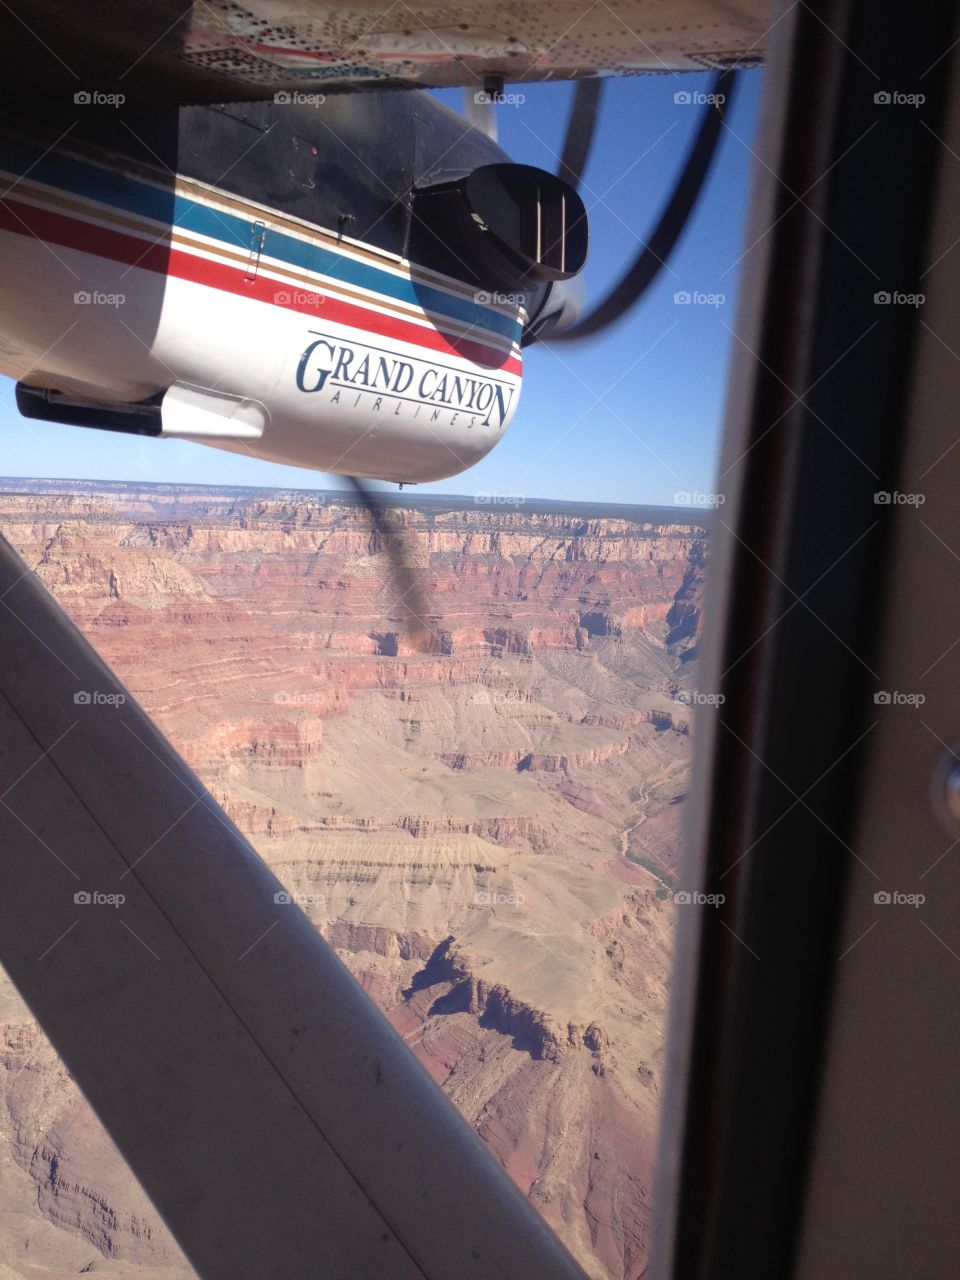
(946, 792)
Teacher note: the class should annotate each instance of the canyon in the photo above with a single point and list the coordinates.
(461, 738)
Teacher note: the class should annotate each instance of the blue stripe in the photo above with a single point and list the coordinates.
(127, 194)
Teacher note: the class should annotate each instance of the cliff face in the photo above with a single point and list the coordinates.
(481, 804)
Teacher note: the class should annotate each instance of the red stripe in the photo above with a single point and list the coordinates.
(161, 258)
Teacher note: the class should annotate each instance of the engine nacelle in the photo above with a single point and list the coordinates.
(196, 314)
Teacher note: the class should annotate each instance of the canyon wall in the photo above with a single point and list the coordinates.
(468, 767)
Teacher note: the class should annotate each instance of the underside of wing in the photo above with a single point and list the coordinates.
(216, 50)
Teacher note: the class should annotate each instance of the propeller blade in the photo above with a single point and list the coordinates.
(650, 260)
(411, 599)
(581, 127)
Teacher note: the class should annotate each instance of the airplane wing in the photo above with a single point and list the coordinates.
(216, 51)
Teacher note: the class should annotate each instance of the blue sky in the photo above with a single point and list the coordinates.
(631, 416)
